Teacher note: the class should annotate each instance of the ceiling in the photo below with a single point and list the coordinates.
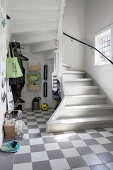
(35, 23)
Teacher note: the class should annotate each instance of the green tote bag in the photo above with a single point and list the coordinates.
(13, 69)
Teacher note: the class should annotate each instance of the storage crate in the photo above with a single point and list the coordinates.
(9, 131)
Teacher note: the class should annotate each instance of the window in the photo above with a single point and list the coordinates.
(103, 44)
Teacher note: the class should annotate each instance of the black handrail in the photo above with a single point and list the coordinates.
(88, 46)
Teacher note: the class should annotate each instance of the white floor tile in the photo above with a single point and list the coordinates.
(25, 120)
(31, 117)
(85, 136)
(62, 138)
(24, 116)
(36, 141)
(110, 165)
(39, 156)
(102, 140)
(42, 126)
(32, 123)
(24, 166)
(71, 152)
(29, 113)
(79, 143)
(52, 146)
(46, 116)
(109, 129)
(40, 119)
(82, 168)
(26, 136)
(98, 148)
(106, 134)
(46, 135)
(24, 149)
(111, 152)
(45, 112)
(59, 164)
(92, 159)
(34, 131)
(70, 132)
(26, 127)
(91, 131)
(38, 114)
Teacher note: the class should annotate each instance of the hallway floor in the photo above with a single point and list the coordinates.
(80, 150)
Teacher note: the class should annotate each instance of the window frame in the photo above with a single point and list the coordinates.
(97, 35)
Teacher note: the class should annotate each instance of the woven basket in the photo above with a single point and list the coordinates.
(34, 68)
(9, 130)
(34, 77)
(33, 87)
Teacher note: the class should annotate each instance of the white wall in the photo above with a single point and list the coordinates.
(28, 95)
(74, 24)
(4, 38)
(99, 15)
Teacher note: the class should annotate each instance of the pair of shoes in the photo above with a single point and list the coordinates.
(12, 146)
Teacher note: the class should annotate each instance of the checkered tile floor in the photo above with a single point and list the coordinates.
(75, 150)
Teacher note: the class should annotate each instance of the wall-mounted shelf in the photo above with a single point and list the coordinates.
(34, 68)
(34, 77)
(34, 87)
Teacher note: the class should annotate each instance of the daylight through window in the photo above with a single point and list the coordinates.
(103, 43)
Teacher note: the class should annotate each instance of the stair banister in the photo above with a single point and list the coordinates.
(88, 46)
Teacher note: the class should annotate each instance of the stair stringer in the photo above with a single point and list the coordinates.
(57, 112)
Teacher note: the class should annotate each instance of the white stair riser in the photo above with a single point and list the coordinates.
(77, 83)
(78, 126)
(66, 113)
(81, 91)
(68, 76)
(71, 101)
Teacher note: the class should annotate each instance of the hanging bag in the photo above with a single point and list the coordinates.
(13, 69)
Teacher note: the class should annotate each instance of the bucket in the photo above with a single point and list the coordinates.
(36, 103)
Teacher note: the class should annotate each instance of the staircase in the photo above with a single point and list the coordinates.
(83, 107)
